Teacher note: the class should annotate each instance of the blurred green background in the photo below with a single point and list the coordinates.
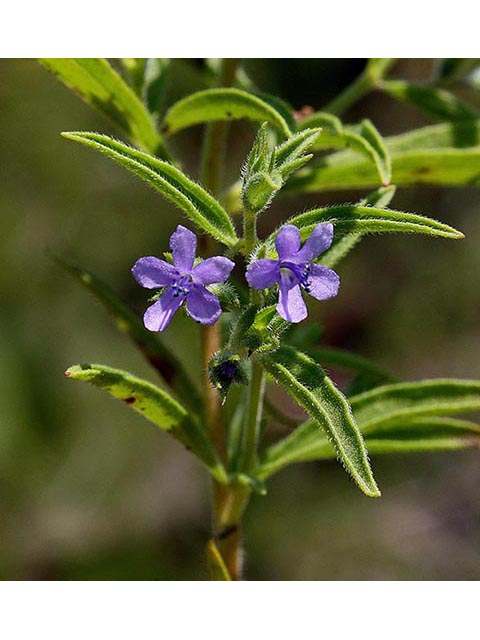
(88, 490)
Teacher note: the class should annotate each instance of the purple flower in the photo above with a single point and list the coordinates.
(294, 271)
(182, 281)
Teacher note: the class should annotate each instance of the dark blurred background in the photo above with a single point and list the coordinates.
(88, 490)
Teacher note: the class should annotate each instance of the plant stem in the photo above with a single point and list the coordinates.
(228, 501)
(253, 416)
(256, 389)
(367, 81)
(229, 504)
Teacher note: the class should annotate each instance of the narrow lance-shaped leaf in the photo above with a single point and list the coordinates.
(445, 154)
(155, 405)
(158, 354)
(102, 87)
(363, 138)
(397, 403)
(342, 246)
(221, 104)
(422, 434)
(437, 103)
(349, 219)
(311, 388)
(191, 198)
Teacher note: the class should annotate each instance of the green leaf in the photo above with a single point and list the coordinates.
(266, 171)
(342, 246)
(191, 198)
(305, 443)
(216, 565)
(311, 388)
(363, 138)
(103, 88)
(221, 104)
(155, 350)
(329, 123)
(156, 405)
(352, 218)
(397, 403)
(293, 153)
(425, 434)
(381, 155)
(447, 154)
(437, 103)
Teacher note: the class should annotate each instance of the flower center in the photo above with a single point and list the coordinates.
(297, 272)
(181, 287)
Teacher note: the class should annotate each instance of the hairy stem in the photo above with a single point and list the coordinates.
(228, 501)
(253, 416)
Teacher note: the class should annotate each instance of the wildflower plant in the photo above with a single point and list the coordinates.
(249, 293)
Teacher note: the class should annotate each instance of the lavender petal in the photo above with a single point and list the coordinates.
(158, 316)
(287, 241)
(263, 273)
(291, 306)
(216, 269)
(319, 241)
(324, 282)
(203, 305)
(183, 244)
(152, 273)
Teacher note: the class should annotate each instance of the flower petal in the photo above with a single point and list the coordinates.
(287, 241)
(263, 273)
(291, 306)
(324, 282)
(183, 244)
(318, 242)
(158, 316)
(151, 272)
(216, 269)
(203, 305)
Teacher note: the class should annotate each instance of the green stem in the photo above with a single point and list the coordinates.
(228, 501)
(354, 92)
(253, 417)
(366, 82)
(249, 231)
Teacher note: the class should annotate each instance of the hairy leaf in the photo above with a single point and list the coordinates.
(349, 219)
(437, 103)
(446, 154)
(393, 404)
(155, 405)
(422, 434)
(156, 351)
(221, 104)
(363, 138)
(103, 88)
(342, 246)
(191, 198)
(311, 388)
